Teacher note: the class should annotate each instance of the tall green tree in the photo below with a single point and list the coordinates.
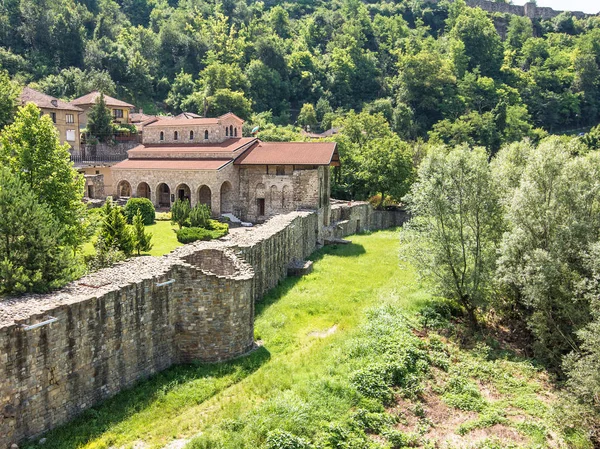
(9, 94)
(100, 121)
(142, 240)
(456, 227)
(32, 257)
(30, 147)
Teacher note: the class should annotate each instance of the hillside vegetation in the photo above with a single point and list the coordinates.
(349, 358)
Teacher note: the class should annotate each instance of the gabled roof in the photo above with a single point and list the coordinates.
(157, 150)
(139, 117)
(188, 115)
(29, 95)
(92, 96)
(291, 153)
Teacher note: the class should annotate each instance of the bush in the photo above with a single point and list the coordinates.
(144, 205)
(199, 216)
(278, 439)
(189, 235)
(180, 212)
(373, 382)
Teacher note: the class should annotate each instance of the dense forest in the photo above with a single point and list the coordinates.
(433, 70)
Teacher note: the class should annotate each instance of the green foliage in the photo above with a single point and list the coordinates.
(279, 439)
(141, 239)
(180, 212)
(189, 235)
(307, 116)
(100, 121)
(9, 93)
(226, 100)
(32, 258)
(144, 205)
(114, 232)
(199, 216)
(456, 225)
(30, 148)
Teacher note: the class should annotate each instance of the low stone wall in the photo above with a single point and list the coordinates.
(64, 352)
(530, 9)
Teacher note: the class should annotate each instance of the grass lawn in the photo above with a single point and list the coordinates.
(342, 364)
(164, 239)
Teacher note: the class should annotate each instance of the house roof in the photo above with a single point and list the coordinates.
(291, 153)
(171, 164)
(92, 96)
(228, 146)
(139, 117)
(190, 119)
(29, 95)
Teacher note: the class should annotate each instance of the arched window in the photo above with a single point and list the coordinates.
(206, 135)
(235, 131)
(175, 135)
(162, 136)
(191, 135)
(226, 132)
(231, 130)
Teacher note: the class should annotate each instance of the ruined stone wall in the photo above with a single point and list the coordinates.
(125, 323)
(530, 10)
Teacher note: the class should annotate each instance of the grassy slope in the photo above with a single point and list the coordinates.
(325, 338)
(164, 239)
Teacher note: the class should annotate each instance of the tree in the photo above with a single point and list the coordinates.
(199, 216)
(519, 30)
(32, 258)
(114, 231)
(100, 121)
(180, 212)
(141, 239)
(9, 93)
(307, 116)
(30, 147)
(225, 100)
(456, 226)
(144, 205)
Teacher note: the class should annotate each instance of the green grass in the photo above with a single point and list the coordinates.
(338, 349)
(164, 239)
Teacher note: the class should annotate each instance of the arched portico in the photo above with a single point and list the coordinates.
(183, 192)
(205, 195)
(163, 198)
(143, 190)
(123, 189)
(226, 198)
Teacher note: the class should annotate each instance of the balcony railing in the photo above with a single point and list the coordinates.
(90, 159)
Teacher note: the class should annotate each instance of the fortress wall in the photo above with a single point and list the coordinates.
(125, 323)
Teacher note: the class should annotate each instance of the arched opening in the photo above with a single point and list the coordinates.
(235, 131)
(206, 135)
(274, 200)
(260, 200)
(204, 195)
(286, 197)
(226, 198)
(176, 135)
(164, 195)
(226, 131)
(183, 192)
(231, 130)
(124, 189)
(191, 135)
(162, 136)
(143, 190)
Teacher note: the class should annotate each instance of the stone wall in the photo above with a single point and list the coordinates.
(530, 10)
(216, 132)
(64, 352)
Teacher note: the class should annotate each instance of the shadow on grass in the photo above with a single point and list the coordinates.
(93, 423)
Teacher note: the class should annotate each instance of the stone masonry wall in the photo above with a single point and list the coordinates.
(105, 332)
(530, 10)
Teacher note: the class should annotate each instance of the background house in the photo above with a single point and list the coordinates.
(119, 110)
(64, 115)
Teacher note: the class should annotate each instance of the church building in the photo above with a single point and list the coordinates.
(206, 160)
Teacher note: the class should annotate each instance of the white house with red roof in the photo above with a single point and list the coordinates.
(206, 160)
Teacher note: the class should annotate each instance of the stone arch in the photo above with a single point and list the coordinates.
(163, 195)
(230, 130)
(123, 189)
(143, 190)
(260, 200)
(286, 197)
(176, 135)
(191, 135)
(205, 195)
(162, 135)
(183, 192)
(226, 198)
(206, 135)
(274, 200)
(235, 131)
(226, 131)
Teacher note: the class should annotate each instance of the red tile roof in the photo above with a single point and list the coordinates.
(92, 96)
(172, 164)
(29, 95)
(187, 118)
(228, 146)
(290, 153)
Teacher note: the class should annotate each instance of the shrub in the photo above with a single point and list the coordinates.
(373, 382)
(180, 212)
(199, 216)
(144, 205)
(142, 240)
(189, 235)
(278, 439)
(463, 395)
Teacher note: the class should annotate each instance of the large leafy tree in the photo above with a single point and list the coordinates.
(30, 147)
(9, 93)
(457, 224)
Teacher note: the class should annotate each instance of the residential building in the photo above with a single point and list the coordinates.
(119, 110)
(64, 115)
